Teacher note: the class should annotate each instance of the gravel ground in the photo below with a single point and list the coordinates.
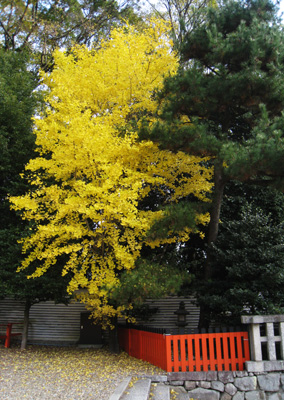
(65, 373)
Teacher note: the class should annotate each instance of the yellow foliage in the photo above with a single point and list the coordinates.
(89, 177)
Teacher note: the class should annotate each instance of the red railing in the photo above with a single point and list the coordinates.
(9, 333)
(191, 352)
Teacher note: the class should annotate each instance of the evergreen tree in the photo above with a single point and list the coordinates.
(248, 257)
(227, 100)
(17, 105)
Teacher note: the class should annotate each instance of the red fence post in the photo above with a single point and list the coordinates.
(226, 359)
(183, 353)
(212, 358)
(197, 352)
(168, 353)
(205, 355)
(8, 335)
(235, 340)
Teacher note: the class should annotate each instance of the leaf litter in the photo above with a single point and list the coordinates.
(65, 373)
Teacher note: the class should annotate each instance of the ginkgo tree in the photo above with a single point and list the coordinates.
(91, 172)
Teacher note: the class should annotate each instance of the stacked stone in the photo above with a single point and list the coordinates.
(227, 385)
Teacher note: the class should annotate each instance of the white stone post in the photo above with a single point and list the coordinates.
(281, 329)
(257, 364)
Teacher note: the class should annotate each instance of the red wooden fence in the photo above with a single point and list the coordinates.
(191, 352)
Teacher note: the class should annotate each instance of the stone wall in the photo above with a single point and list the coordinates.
(262, 379)
(227, 385)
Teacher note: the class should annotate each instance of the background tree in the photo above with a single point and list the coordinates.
(184, 15)
(17, 105)
(247, 257)
(226, 102)
(91, 173)
(43, 26)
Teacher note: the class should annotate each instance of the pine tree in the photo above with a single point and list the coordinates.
(247, 257)
(226, 101)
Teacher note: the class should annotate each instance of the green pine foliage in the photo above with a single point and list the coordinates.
(227, 102)
(18, 101)
(149, 280)
(248, 257)
(17, 104)
(230, 88)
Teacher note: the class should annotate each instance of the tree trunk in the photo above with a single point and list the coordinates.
(26, 325)
(213, 227)
(113, 337)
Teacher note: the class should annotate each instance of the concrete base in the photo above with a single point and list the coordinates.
(264, 366)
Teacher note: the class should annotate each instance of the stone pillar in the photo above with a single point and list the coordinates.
(281, 328)
(257, 364)
(271, 340)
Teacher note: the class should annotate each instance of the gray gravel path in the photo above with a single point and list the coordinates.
(65, 373)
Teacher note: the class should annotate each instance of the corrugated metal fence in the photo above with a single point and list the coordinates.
(50, 322)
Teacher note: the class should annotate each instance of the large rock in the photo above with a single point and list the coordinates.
(274, 396)
(240, 374)
(245, 384)
(179, 393)
(189, 385)
(204, 384)
(177, 383)
(216, 385)
(226, 376)
(230, 389)
(204, 394)
(239, 396)
(269, 383)
(225, 396)
(255, 395)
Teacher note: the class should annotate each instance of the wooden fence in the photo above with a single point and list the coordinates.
(190, 352)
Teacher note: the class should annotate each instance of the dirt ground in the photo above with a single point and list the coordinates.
(48, 372)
